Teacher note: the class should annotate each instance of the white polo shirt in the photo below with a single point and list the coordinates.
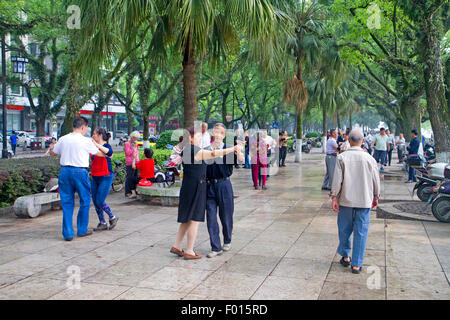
(206, 140)
(74, 150)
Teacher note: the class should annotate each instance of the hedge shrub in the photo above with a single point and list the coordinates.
(313, 134)
(166, 138)
(21, 177)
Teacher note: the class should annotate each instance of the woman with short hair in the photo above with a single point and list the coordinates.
(131, 153)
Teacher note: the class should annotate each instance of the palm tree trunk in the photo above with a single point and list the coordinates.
(189, 85)
(350, 120)
(324, 127)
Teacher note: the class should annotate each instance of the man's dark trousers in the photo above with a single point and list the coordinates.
(220, 195)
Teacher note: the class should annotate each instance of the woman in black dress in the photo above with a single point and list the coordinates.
(192, 204)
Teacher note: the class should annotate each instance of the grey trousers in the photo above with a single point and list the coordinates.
(330, 163)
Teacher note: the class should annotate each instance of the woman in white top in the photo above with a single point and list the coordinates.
(400, 147)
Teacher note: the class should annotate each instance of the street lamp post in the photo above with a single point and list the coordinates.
(5, 145)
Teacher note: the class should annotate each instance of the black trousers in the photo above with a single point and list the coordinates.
(283, 153)
(130, 181)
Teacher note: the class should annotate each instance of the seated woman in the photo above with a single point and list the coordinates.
(146, 167)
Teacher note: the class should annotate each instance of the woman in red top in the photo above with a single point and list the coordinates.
(102, 178)
(146, 167)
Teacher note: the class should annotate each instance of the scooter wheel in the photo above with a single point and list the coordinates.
(424, 192)
(441, 209)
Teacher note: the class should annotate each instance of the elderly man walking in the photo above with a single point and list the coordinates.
(356, 189)
(330, 160)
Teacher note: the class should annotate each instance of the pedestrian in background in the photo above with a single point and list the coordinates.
(51, 146)
(413, 148)
(400, 147)
(206, 137)
(102, 178)
(330, 160)
(258, 153)
(247, 150)
(391, 142)
(356, 189)
(75, 149)
(13, 141)
(381, 147)
(131, 149)
(283, 143)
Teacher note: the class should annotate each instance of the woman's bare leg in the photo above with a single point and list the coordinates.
(191, 236)
(181, 232)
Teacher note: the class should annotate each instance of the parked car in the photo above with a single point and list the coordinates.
(24, 139)
(120, 134)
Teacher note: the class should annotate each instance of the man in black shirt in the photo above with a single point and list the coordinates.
(220, 194)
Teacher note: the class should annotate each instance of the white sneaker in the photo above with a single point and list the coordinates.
(226, 247)
(212, 254)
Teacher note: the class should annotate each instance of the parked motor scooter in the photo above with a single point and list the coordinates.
(441, 201)
(123, 140)
(428, 177)
(306, 147)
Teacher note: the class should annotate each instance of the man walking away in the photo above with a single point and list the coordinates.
(330, 160)
(13, 141)
(220, 195)
(74, 149)
(413, 148)
(356, 189)
(400, 147)
(381, 146)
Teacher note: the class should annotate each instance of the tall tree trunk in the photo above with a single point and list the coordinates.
(40, 125)
(435, 89)
(410, 111)
(338, 119)
(95, 118)
(189, 85)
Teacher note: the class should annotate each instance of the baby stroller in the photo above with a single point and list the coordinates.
(173, 166)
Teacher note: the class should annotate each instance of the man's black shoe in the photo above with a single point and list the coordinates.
(85, 234)
(113, 222)
(68, 239)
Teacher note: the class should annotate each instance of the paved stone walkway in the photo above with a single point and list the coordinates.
(284, 247)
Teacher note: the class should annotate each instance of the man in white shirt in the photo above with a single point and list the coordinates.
(75, 149)
(206, 138)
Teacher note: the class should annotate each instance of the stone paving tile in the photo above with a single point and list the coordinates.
(32, 289)
(302, 268)
(312, 252)
(266, 248)
(7, 256)
(8, 279)
(175, 279)
(232, 285)
(150, 294)
(89, 291)
(275, 288)
(250, 264)
(408, 283)
(347, 291)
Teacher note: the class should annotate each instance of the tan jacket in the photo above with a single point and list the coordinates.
(356, 181)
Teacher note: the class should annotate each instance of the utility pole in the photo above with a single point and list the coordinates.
(5, 142)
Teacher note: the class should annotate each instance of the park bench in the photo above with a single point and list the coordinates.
(33, 205)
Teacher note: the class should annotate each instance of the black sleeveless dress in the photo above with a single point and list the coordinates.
(192, 203)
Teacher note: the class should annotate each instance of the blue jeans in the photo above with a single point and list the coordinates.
(247, 161)
(73, 180)
(220, 195)
(356, 221)
(380, 156)
(412, 174)
(100, 188)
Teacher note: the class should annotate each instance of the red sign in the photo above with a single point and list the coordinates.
(102, 113)
(14, 107)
